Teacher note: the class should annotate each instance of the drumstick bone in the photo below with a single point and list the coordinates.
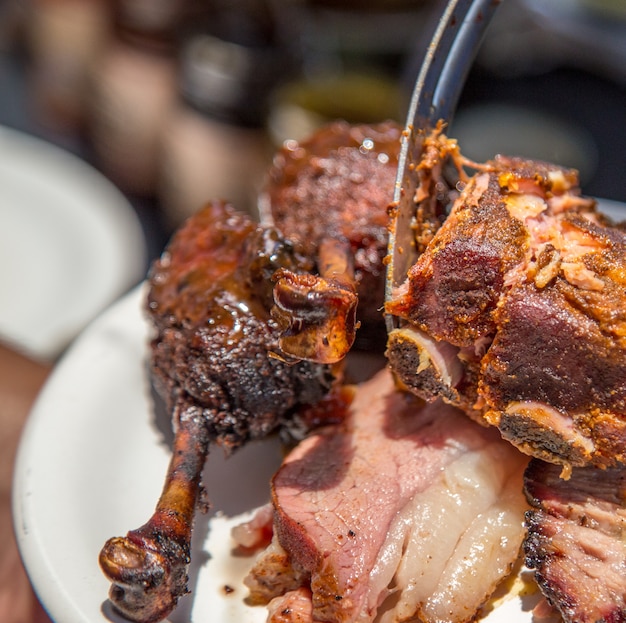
(148, 567)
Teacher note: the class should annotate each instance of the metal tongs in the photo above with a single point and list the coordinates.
(446, 63)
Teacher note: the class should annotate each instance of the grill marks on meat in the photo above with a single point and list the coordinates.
(403, 510)
(575, 540)
(516, 312)
(212, 361)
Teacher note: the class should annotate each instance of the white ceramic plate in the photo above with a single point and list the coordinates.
(91, 465)
(70, 244)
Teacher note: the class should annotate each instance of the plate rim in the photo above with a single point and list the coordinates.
(120, 236)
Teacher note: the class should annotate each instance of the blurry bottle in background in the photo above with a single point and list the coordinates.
(215, 144)
(133, 90)
(63, 38)
(11, 24)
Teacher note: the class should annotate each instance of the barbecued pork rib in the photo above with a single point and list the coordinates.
(575, 540)
(516, 312)
(337, 184)
(386, 513)
(213, 363)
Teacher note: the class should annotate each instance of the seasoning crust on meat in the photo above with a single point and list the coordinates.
(339, 183)
(516, 312)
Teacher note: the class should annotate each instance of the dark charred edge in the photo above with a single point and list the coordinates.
(404, 359)
(542, 442)
(535, 547)
(555, 503)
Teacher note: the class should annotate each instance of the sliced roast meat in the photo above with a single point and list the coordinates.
(404, 510)
(516, 312)
(576, 542)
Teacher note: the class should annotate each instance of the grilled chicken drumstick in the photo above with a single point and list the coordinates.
(148, 567)
(213, 363)
(246, 332)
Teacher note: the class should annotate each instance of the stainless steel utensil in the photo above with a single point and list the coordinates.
(446, 63)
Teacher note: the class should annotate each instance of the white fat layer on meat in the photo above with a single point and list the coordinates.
(451, 545)
(441, 485)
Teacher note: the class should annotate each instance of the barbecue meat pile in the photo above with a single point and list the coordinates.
(576, 540)
(338, 184)
(213, 361)
(516, 312)
(250, 325)
(400, 511)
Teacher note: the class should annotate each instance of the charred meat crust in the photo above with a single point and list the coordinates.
(571, 366)
(213, 360)
(527, 281)
(339, 182)
(402, 355)
(575, 540)
(210, 302)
